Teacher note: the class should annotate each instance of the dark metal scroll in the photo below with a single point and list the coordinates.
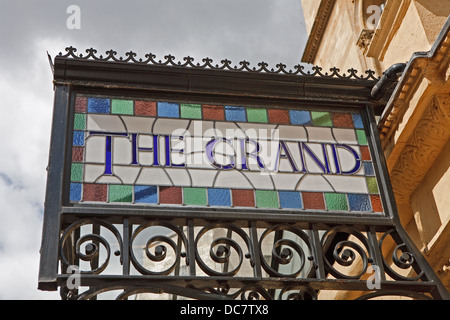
(232, 260)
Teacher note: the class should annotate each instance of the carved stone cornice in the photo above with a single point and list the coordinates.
(422, 148)
(433, 65)
(417, 122)
(317, 30)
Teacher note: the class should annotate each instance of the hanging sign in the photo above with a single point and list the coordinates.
(144, 152)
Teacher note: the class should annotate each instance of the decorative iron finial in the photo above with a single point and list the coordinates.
(207, 63)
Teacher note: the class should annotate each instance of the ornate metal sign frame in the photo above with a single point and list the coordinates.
(329, 250)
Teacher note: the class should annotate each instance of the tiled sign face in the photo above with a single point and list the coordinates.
(139, 152)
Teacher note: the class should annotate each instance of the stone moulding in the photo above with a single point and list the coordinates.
(317, 31)
(416, 150)
(421, 149)
(436, 59)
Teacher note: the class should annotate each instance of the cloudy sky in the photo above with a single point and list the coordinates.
(254, 30)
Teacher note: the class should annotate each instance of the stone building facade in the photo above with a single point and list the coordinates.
(415, 125)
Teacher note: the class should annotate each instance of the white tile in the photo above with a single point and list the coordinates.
(348, 184)
(122, 150)
(201, 129)
(164, 126)
(293, 133)
(95, 149)
(229, 130)
(286, 181)
(109, 179)
(231, 179)
(92, 172)
(179, 176)
(153, 176)
(260, 180)
(257, 131)
(127, 174)
(198, 160)
(138, 124)
(107, 123)
(320, 134)
(345, 136)
(202, 178)
(145, 141)
(314, 182)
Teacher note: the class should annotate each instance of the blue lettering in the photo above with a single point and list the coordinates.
(283, 153)
(108, 151)
(324, 166)
(355, 155)
(254, 154)
(210, 154)
(286, 155)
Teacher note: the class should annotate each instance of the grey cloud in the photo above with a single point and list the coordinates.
(269, 30)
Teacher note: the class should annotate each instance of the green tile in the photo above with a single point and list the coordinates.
(120, 193)
(76, 173)
(336, 201)
(79, 122)
(257, 115)
(191, 111)
(372, 185)
(322, 119)
(195, 196)
(361, 135)
(119, 106)
(266, 199)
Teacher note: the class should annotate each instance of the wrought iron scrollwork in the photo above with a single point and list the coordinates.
(91, 246)
(156, 249)
(207, 63)
(220, 249)
(402, 258)
(347, 252)
(284, 249)
(224, 260)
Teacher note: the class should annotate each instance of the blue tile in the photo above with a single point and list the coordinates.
(219, 197)
(235, 113)
(300, 117)
(146, 194)
(168, 110)
(75, 192)
(98, 105)
(359, 202)
(357, 120)
(290, 200)
(78, 138)
(368, 169)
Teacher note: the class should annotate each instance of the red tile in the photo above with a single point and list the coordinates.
(278, 116)
(365, 153)
(213, 112)
(145, 108)
(313, 200)
(342, 120)
(77, 154)
(95, 192)
(243, 198)
(80, 104)
(376, 203)
(170, 195)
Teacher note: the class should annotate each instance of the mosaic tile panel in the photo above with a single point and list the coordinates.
(149, 153)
